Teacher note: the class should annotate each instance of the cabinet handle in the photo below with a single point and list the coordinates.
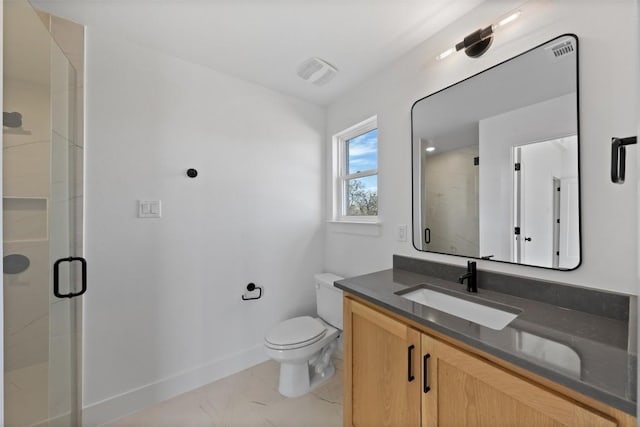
(410, 376)
(425, 372)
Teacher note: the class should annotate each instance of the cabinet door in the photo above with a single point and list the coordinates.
(468, 391)
(381, 369)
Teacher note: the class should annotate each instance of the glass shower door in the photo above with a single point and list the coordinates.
(69, 269)
(42, 186)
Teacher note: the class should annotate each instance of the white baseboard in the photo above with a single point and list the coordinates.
(118, 406)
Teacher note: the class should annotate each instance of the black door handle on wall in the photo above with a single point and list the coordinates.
(619, 157)
(56, 280)
(427, 235)
(425, 372)
(410, 376)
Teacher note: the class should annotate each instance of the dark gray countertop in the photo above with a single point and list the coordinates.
(582, 351)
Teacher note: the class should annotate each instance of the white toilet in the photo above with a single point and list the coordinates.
(303, 345)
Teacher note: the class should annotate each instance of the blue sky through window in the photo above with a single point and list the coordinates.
(362, 152)
(370, 182)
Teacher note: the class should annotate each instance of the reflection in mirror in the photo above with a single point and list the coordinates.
(547, 168)
(558, 355)
(495, 162)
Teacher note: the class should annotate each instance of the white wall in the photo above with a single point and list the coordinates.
(163, 312)
(633, 338)
(1, 230)
(609, 255)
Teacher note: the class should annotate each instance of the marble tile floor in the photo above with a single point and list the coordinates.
(249, 398)
(26, 395)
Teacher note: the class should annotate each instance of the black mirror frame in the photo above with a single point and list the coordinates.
(578, 133)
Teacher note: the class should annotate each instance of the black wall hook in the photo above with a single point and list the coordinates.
(619, 157)
(192, 173)
(252, 287)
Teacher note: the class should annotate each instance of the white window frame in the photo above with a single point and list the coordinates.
(340, 175)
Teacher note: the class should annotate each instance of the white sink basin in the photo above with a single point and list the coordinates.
(481, 314)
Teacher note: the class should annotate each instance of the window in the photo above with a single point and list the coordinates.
(356, 173)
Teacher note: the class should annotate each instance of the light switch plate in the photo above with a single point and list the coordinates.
(402, 233)
(149, 209)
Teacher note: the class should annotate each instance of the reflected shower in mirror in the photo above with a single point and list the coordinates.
(495, 162)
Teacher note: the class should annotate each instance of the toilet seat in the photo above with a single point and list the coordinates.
(295, 333)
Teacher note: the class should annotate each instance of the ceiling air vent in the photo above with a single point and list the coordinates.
(317, 71)
(563, 48)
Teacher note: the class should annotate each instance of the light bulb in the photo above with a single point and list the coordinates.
(508, 19)
(446, 53)
(430, 149)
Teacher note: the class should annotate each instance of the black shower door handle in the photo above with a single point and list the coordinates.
(427, 235)
(56, 279)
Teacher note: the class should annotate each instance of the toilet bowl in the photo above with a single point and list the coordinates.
(304, 345)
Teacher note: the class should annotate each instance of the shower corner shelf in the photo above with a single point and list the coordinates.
(26, 219)
(18, 131)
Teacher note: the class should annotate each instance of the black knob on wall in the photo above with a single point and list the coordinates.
(192, 173)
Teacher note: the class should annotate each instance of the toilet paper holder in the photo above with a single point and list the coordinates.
(250, 288)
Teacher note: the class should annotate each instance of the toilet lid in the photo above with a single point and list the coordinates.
(296, 331)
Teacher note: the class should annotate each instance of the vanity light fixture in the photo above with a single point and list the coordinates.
(478, 42)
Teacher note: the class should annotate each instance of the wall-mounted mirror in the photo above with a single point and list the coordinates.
(495, 162)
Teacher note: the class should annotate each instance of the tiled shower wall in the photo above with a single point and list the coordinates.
(27, 199)
(26, 193)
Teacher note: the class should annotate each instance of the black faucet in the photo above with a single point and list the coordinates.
(471, 276)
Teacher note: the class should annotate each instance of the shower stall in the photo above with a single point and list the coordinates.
(42, 217)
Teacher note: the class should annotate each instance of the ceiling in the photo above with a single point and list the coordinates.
(264, 41)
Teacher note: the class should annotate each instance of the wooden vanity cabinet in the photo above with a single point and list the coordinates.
(382, 371)
(396, 375)
(468, 391)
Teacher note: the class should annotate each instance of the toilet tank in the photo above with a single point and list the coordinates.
(329, 299)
